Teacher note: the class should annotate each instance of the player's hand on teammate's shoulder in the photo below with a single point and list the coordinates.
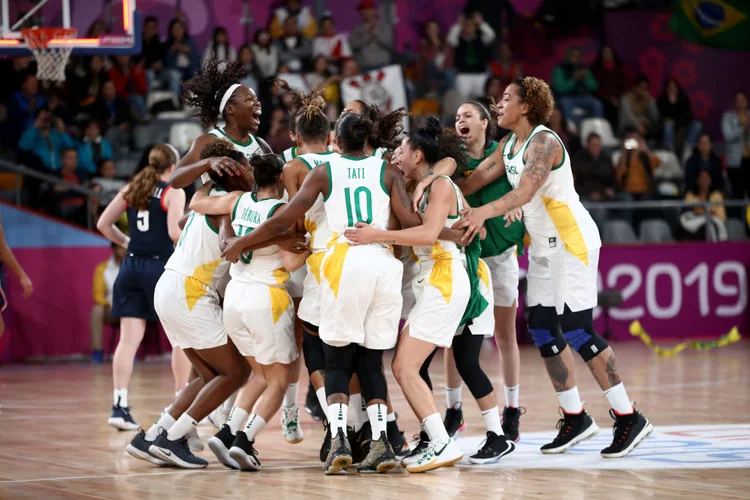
(361, 234)
(225, 165)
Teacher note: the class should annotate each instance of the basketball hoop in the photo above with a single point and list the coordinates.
(50, 60)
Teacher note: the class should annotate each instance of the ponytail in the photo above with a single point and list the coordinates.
(160, 159)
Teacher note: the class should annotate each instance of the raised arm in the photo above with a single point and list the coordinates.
(113, 212)
(175, 210)
(214, 205)
(191, 166)
(293, 175)
(544, 152)
(491, 168)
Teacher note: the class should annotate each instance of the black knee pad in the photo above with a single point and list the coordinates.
(466, 349)
(578, 330)
(312, 348)
(544, 328)
(370, 373)
(338, 367)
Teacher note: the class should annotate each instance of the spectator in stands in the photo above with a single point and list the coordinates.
(593, 171)
(86, 81)
(153, 54)
(735, 126)
(14, 73)
(105, 275)
(106, 183)
(704, 158)
(504, 67)
(349, 68)
(612, 77)
(372, 40)
(278, 135)
(302, 15)
(638, 110)
(575, 87)
(109, 110)
(321, 78)
(680, 129)
(24, 106)
(69, 204)
(266, 53)
(334, 46)
(130, 84)
(59, 109)
(694, 221)
(472, 38)
(93, 148)
(253, 76)
(44, 142)
(294, 49)
(435, 66)
(219, 47)
(182, 53)
(636, 166)
(494, 87)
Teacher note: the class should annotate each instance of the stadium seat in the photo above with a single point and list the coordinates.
(736, 230)
(183, 134)
(618, 231)
(670, 166)
(155, 96)
(601, 127)
(655, 231)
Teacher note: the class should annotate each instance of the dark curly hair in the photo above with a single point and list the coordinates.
(487, 110)
(219, 148)
(537, 95)
(353, 130)
(267, 169)
(436, 143)
(205, 90)
(387, 128)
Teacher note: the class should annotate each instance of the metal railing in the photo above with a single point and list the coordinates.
(8, 166)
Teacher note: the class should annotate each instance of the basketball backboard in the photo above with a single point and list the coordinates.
(122, 34)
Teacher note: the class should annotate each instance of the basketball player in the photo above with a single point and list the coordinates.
(258, 311)
(7, 258)
(476, 124)
(564, 254)
(388, 128)
(154, 211)
(360, 286)
(187, 300)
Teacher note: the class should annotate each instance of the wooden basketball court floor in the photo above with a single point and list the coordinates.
(54, 441)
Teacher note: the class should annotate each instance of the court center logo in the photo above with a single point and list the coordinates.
(668, 447)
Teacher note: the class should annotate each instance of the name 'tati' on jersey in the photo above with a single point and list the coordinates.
(555, 217)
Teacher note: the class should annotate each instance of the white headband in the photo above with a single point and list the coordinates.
(227, 95)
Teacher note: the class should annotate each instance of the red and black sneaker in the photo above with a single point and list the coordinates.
(629, 431)
(573, 429)
(511, 421)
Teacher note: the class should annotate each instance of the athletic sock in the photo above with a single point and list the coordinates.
(184, 425)
(353, 418)
(165, 422)
(337, 417)
(321, 394)
(452, 396)
(377, 415)
(290, 398)
(237, 419)
(492, 420)
(433, 426)
(254, 425)
(121, 398)
(391, 417)
(363, 416)
(511, 396)
(618, 399)
(570, 401)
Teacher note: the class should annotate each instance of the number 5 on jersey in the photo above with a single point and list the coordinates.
(142, 221)
(356, 200)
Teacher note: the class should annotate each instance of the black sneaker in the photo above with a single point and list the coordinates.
(511, 420)
(454, 420)
(243, 453)
(629, 431)
(380, 458)
(138, 448)
(574, 428)
(422, 441)
(121, 419)
(220, 444)
(360, 442)
(494, 448)
(175, 452)
(398, 441)
(325, 447)
(339, 456)
(312, 405)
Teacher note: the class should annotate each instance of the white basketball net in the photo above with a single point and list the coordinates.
(50, 59)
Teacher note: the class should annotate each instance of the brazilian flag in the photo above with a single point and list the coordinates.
(719, 23)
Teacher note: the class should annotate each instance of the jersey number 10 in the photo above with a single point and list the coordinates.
(245, 257)
(357, 199)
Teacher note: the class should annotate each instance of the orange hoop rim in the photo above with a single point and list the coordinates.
(39, 38)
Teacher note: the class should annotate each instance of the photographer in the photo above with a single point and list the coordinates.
(635, 172)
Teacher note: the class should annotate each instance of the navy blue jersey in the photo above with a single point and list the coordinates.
(149, 234)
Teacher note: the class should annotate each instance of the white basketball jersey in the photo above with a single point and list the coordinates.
(263, 265)
(289, 154)
(357, 194)
(555, 217)
(249, 148)
(441, 249)
(380, 152)
(316, 222)
(197, 252)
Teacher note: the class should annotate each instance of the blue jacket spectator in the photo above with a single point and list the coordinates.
(93, 149)
(182, 53)
(46, 141)
(24, 106)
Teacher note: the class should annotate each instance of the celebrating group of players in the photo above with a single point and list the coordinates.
(361, 228)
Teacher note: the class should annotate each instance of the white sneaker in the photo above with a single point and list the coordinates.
(194, 440)
(290, 427)
(220, 415)
(440, 453)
